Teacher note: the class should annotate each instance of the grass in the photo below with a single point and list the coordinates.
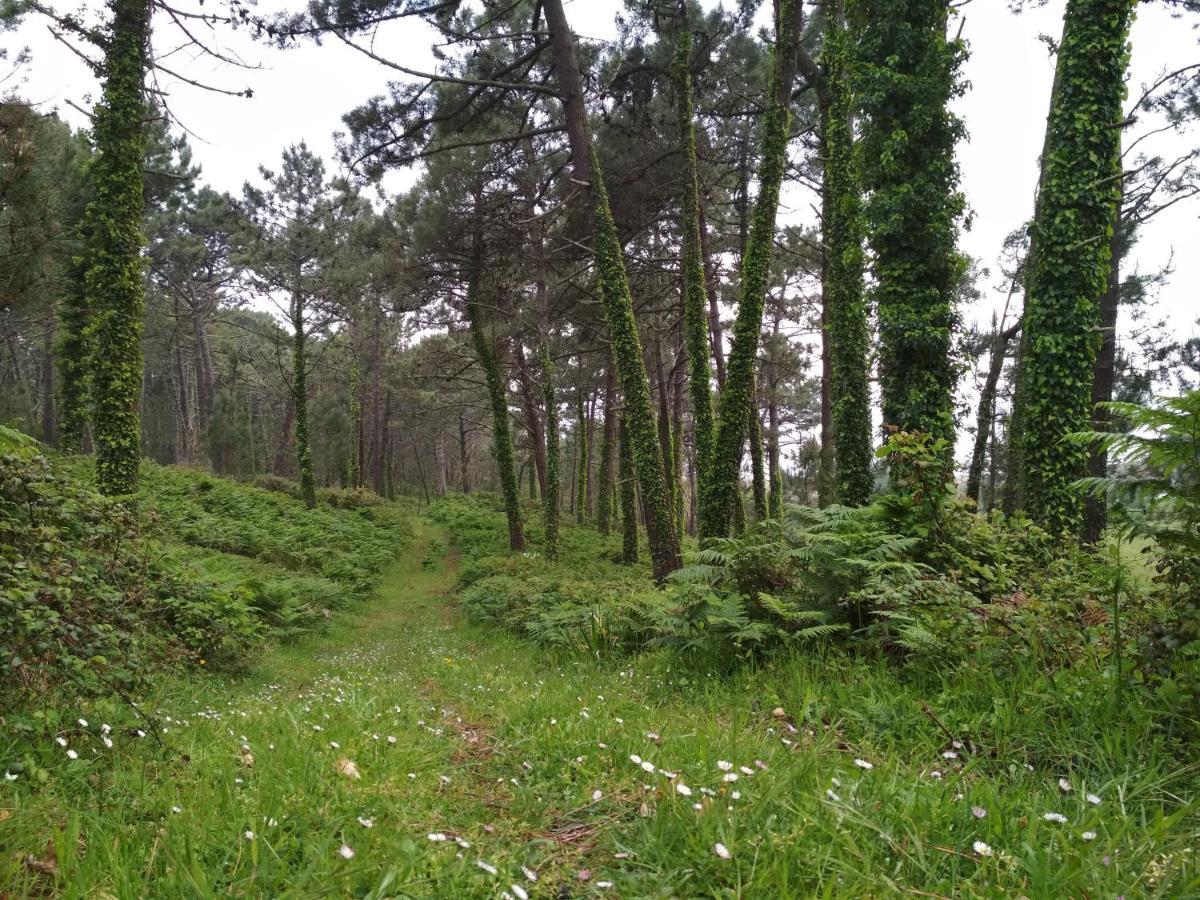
(524, 758)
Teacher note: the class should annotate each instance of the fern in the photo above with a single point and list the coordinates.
(13, 441)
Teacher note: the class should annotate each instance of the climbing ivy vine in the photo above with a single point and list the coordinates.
(1073, 221)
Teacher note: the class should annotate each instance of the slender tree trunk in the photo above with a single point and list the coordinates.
(664, 420)
(604, 475)
(304, 467)
(715, 334)
(502, 447)
(570, 86)
(581, 454)
(550, 497)
(758, 475)
(280, 464)
(718, 495)
(985, 421)
(1095, 512)
(202, 362)
(529, 406)
(627, 477)
(49, 436)
(463, 457)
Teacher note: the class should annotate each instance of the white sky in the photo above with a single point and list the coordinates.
(301, 95)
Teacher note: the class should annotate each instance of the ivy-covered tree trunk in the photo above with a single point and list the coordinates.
(582, 465)
(758, 476)
(845, 306)
(695, 285)
(907, 75)
(113, 242)
(502, 448)
(608, 438)
(71, 360)
(1073, 223)
(635, 386)
(304, 467)
(665, 442)
(719, 491)
(627, 478)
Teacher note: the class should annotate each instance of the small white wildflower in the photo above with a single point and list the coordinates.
(1064, 785)
(978, 812)
(437, 837)
(61, 741)
(647, 766)
(366, 822)
(529, 873)
(981, 848)
(83, 722)
(519, 892)
(105, 728)
(729, 777)
(721, 850)
(412, 776)
(140, 733)
(486, 866)
(736, 795)
(635, 759)
(698, 806)
(683, 790)
(831, 795)
(1054, 817)
(462, 842)
(745, 770)
(335, 745)
(1088, 835)
(724, 765)
(391, 739)
(949, 754)
(9, 776)
(346, 851)
(176, 809)
(1093, 799)
(107, 741)
(445, 779)
(604, 884)
(936, 775)
(863, 764)
(597, 795)
(248, 834)
(316, 728)
(71, 754)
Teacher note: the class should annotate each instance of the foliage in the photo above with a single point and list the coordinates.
(845, 305)
(718, 492)
(906, 76)
(112, 261)
(1067, 271)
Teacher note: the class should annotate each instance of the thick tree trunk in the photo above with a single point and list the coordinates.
(570, 86)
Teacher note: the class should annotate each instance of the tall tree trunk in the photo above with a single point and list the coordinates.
(635, 386)
(1095, 511)
(604, 475)
(628, 483)
(529, 406)
(502, 447)
(775, 498)
(719, 491)
(113, 248)
(463, 457)
(202, 362)
(304, 467)
(695, 285)
(844, 307)
(570, 86)
(665, 446)
(716, 335)
(757, 474)
(280, 464)
(74, 351)
(1069, 265)
(581, 454)
(550, 496)
(986, 418)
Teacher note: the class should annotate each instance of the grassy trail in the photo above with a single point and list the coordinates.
(405, 753)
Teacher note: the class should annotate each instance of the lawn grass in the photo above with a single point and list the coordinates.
(520, 757)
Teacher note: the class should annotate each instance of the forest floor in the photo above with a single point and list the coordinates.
(406, 753)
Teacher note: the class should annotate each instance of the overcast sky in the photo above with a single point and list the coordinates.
(301, 95)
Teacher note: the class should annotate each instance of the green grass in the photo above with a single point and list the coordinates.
(504, 746)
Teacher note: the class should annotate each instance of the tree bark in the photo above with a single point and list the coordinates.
(986, 418)
(604, 475)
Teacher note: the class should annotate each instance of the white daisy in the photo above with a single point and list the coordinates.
(683, 789)
(863, 764)
(721, 850)
(981, 849)
(1054, 817)
(346, 851)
